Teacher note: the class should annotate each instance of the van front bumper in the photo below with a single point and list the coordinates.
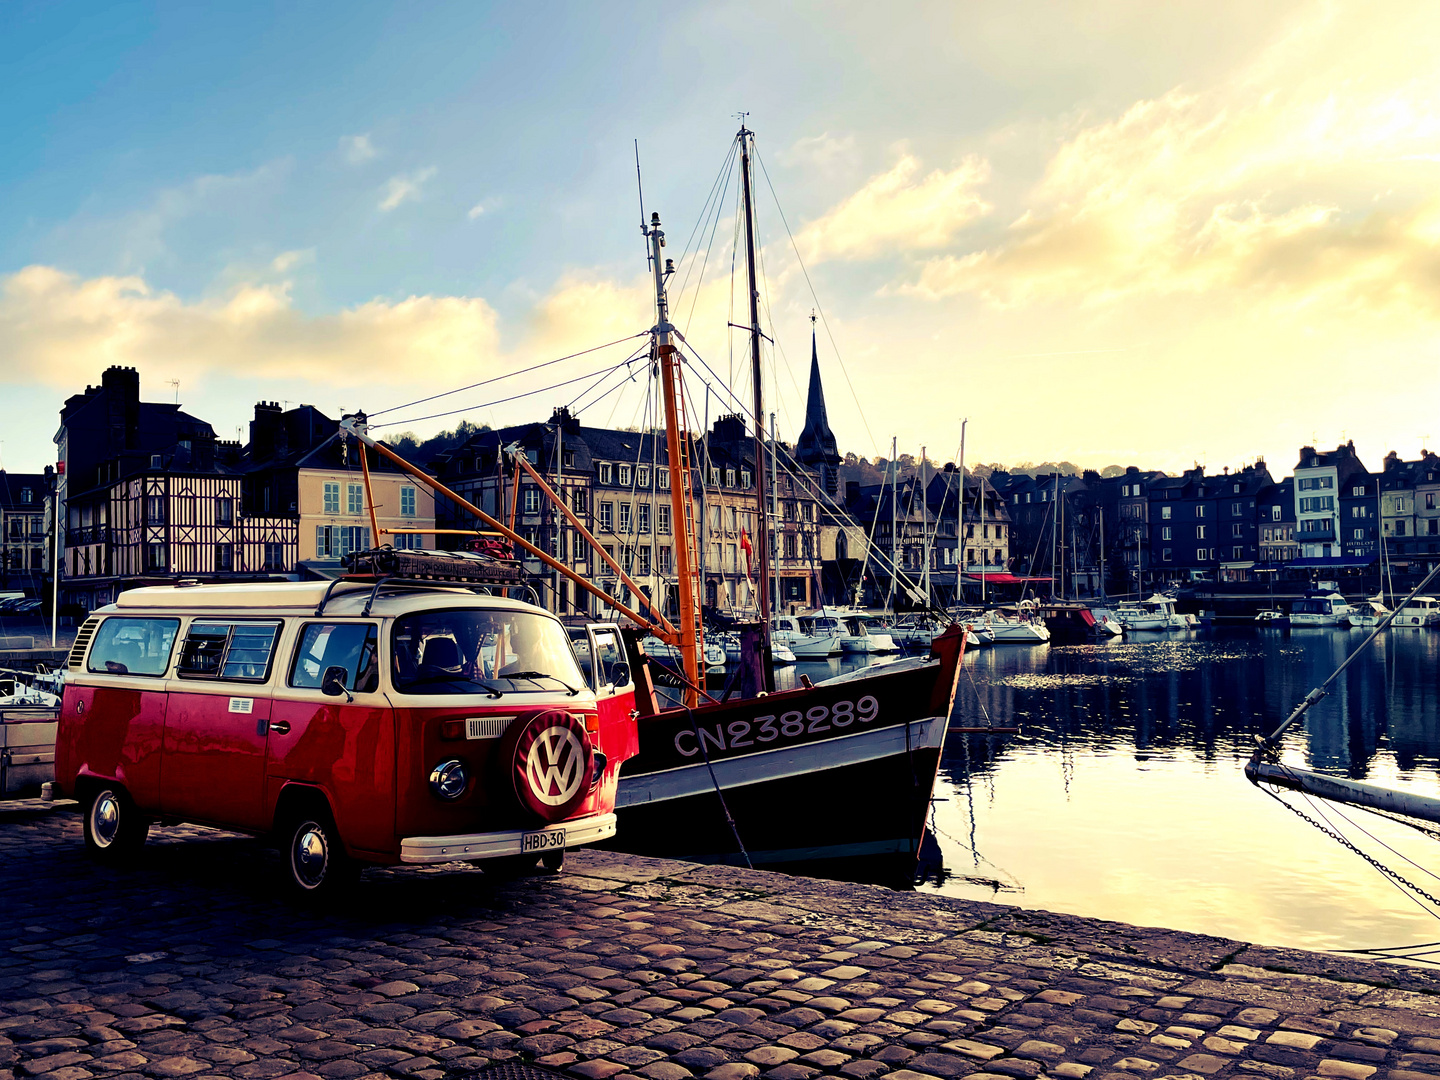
(461, 848)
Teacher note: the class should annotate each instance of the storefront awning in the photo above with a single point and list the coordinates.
(1238, 565)
(1329, 564)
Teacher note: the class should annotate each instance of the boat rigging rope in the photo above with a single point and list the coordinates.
(1404, 884)
(501, 401)
(509, 375)
(818, 307)
(719, 791)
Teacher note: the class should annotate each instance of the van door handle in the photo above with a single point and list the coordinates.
(281, 727)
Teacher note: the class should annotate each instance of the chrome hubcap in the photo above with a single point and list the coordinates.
(105, 819)
(310, 854)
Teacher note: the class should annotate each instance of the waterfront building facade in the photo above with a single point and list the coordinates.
(24, 547)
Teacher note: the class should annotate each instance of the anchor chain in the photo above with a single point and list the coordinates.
(1394, 875)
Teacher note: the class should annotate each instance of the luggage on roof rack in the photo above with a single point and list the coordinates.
(465, 567)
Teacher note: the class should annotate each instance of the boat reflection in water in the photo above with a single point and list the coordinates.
(1124, 796)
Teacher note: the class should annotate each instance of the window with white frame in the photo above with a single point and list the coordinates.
(1165, 532)
(1165, 513)
(745, 478)
(532, 499)
(354, 499)
(662, 477)
(1200, 511)
(604, 472)
(729, 477)
(332, 498)
(607, 516)
(623, 474)
(642, 476)
(577, 500)
(643, 512)
(1199, 532)
(662, 520)
(407, 501)
(664, 559)
(643, 563)
(624, 517)
(714, 476)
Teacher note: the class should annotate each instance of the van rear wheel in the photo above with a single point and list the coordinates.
(315, 860)
(114, 827)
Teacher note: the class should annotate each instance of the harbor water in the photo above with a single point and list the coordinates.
(1123, 795)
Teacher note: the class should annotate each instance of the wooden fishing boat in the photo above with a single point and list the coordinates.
(834, 777)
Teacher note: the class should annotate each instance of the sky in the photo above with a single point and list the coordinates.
(1105, 232)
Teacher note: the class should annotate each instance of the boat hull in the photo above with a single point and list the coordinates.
(834, 778)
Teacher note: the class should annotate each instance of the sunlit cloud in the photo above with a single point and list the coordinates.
(1245, 189)
(60, 329)
(403, 188)
(822, 152)
(899, 211)
(357, 149)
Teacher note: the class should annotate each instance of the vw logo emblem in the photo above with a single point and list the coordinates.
(555, 766)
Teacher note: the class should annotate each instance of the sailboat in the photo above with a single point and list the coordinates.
(834, 777)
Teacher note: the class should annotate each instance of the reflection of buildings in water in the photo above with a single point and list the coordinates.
(1210, 695)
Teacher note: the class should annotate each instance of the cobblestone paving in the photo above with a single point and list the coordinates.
(193, 965)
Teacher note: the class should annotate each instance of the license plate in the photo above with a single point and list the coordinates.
(541, 841)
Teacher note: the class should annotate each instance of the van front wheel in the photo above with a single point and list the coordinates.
(114, 828)
(315, 857)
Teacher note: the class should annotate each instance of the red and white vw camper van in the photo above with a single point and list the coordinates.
(357, 722)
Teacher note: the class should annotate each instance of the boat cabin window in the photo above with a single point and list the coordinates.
(351, 646)
(471, 651)
(223, 649)
(128, 646)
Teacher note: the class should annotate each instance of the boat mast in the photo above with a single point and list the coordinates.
(894, 521)
(924, 532)
(762, 597)
(982, 537)
(682, 506)
(960, 525)
(775, 513)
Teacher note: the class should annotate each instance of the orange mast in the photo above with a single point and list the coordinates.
(677, 443)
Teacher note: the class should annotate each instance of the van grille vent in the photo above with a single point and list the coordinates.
(487, 727)
(82, 642)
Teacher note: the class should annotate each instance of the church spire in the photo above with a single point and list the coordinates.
(816, 447)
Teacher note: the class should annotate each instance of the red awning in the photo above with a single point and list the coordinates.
(1003, 579)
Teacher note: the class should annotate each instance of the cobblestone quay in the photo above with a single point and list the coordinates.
(192, 965)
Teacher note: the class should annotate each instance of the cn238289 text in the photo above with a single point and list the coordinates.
(764, 730)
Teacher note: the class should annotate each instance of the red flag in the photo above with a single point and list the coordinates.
(749, 553)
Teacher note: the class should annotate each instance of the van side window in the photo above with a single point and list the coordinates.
(126, 646)
(607, 644)
(353, 646)
(222, 649)
(580, 642)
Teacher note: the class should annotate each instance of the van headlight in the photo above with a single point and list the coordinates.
(449, 779)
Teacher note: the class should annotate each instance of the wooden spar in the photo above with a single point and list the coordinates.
(440, 532)
(1352, 792)
(671, 635)
(681, 505)
(349, 425)
(514, 494)
(762, 592)
(369, 493)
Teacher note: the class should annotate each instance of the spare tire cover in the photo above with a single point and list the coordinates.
(551, 764)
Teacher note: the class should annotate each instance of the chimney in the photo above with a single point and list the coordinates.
(266, 431)
(562, 416)
(729, 428)
(122, 408)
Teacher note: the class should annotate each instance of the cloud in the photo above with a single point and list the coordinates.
(823, 152)
(357, 149)
(899, 211)
(403, 188)
(1274, 188)
(484, 206)
(288, 260)
(59, 329)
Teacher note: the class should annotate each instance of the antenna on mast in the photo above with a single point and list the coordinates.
(640, 189)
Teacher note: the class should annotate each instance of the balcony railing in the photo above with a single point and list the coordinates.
(1311, 533)
(90, 534)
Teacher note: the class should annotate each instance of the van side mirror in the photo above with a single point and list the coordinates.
(332, 683)
(620, 675)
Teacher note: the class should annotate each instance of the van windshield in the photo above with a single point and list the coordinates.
(473, 651)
